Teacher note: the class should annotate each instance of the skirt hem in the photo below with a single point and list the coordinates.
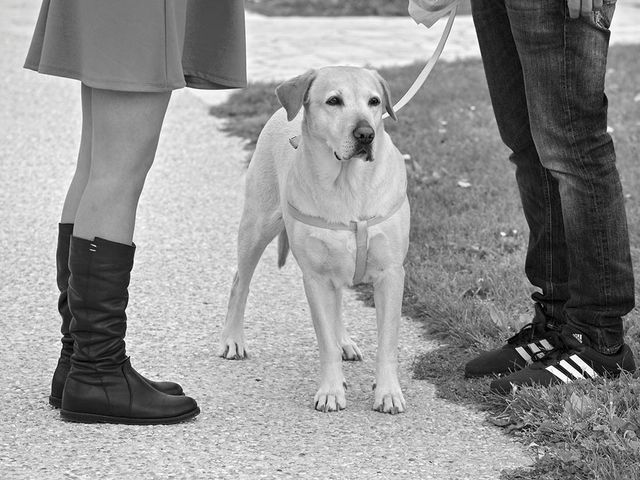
(211, 82)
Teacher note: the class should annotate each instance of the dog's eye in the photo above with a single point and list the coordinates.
(334, 101)
(374, 101)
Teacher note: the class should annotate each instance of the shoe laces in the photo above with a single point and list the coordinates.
(524, 335)
(541, 325)
(527, 332)
(563, 347)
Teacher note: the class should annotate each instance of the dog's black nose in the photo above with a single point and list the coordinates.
(363, 132)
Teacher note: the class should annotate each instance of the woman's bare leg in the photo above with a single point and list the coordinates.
(81, 175)
(125, 128)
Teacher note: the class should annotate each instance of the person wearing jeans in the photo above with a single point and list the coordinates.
(545, 64)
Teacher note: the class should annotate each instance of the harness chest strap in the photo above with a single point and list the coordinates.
(360, 228)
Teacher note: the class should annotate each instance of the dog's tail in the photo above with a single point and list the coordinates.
(283, 248)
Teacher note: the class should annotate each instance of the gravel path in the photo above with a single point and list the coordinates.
(257, 416)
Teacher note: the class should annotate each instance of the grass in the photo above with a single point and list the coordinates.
(465, 277)
(335, 7)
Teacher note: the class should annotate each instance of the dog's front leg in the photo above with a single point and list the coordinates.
(387, 295)
(256, 231)
(350, 350)
(322, 297)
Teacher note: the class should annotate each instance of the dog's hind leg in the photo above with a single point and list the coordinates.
(254, 234)
(350, 350)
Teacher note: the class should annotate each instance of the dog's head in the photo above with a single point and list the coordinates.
(342, 106)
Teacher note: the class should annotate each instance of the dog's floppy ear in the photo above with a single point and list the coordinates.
(292, 93)
(388, 106)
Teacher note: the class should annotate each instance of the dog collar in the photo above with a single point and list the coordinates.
(360, 228)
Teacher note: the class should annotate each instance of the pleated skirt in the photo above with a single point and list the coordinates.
(142, 45)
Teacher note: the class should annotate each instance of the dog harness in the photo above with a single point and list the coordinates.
(360, 228)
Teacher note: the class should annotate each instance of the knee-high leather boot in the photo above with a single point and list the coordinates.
(102, 386)
(62, 277)
(65, 230)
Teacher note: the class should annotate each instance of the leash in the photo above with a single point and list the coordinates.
(360, 228)
(422, 77)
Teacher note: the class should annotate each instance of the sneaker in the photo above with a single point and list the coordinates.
(571, 360)
(530, 344)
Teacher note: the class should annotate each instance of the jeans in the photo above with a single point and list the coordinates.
(545, 73)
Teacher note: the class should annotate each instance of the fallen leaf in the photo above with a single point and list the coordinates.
(569, 456)
(500, 421)
(497, 317)
(578, 405)
(425, 179)
(516, 426)
(547, 426)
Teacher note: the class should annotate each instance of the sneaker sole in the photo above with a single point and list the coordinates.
(487, 374)
(78, 417)
(515, 367)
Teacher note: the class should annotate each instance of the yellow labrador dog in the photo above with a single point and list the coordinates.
(338, 201)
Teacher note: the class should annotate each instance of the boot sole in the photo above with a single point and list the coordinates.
(78, 417)
(56, 402)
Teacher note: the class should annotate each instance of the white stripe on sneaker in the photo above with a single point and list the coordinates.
(569, 368)
(546, 345)
(557, 373)
(534, 350)
(583, 366)
(523, 353)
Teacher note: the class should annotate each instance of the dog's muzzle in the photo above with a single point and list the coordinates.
(363, 134)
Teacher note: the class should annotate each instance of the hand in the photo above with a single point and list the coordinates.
(583, 7)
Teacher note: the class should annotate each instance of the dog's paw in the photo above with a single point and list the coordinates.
(388, 400)
(350, 351)
(331, 399)
(232, 349)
